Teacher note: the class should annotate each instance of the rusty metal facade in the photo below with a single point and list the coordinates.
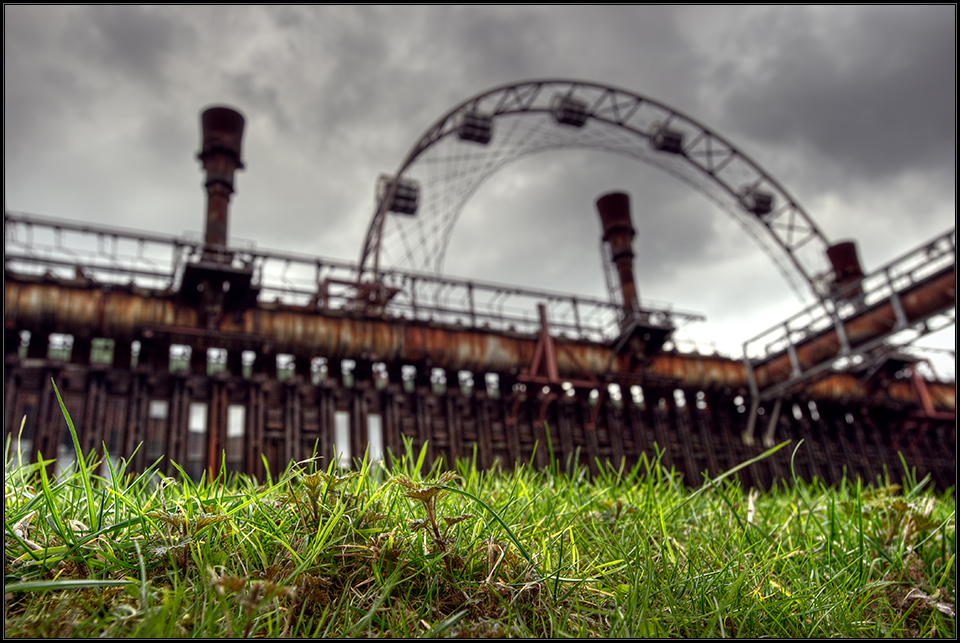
(694, 407)
(211, 364)
(845, 430)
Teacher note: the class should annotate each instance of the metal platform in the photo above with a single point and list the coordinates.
(860, 327)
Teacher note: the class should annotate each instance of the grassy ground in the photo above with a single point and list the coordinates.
(407, 552)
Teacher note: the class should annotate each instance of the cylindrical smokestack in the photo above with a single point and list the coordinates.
(222, 130)
(614, 209)
(846, 264)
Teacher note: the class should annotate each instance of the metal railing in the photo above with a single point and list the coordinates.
(883, 286)
(98, 255)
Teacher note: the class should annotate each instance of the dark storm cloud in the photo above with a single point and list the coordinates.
(133, 41)
(87, 104)
(871, 89)
(87, 53)
(359, 72)
(34, 82)
(852, 109)
(499, 45)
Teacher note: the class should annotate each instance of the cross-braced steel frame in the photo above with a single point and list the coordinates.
(526, 118)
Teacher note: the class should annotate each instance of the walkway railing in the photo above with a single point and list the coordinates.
(884, 311)
(102, 255)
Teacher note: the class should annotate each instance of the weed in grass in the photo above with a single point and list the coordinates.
(892, 516)
(249, 595)
(186, 529)
(427, 494)
(313, 492)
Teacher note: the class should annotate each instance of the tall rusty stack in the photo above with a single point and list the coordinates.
(222, 130)
(614, 210)
(640, 336)
(213, 284)
(846, 264)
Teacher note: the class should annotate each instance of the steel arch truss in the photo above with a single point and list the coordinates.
(491, 130)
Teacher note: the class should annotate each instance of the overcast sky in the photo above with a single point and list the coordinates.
(851, 109)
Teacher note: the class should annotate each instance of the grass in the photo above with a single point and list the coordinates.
(409, 552)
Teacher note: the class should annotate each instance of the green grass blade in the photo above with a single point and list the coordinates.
(513, 538)
(709, 484)
(59, 585)
(81, 462)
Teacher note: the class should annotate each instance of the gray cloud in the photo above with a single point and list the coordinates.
(870, 89)
(135, 42)
(853, 109)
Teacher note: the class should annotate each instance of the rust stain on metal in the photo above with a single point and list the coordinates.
(125, 315)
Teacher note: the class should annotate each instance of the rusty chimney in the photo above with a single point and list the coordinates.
(614, 209)
(846, 264)
(222, 130)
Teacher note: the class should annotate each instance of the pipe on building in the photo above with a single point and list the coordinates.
(133, 314)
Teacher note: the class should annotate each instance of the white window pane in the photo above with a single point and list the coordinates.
(341, 438)
(375, 437)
